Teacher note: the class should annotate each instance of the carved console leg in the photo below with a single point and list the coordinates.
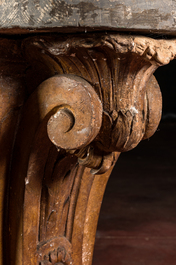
(88, 100)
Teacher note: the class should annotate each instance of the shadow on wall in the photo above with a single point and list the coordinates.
(166, 77)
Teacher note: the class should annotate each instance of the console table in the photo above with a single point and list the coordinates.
(76, 90)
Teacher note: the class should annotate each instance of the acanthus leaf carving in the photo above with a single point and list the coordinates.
(103, 89)
(119, 68)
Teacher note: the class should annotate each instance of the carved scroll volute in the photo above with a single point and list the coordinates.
(153, 103)
(136, 117)
(68, 108)
(119, 68)
(101, 98)
(77, 115)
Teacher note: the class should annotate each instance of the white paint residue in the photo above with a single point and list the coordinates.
(89, 94)
(133, 110)
(26, 181)
(129, 13)
(174, 15)
(84, 130)
(86, 254)
(56, 114)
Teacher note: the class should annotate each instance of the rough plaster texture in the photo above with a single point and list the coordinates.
(114, 14)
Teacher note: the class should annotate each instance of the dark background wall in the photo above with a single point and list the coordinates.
(137, 223)
(166, 77)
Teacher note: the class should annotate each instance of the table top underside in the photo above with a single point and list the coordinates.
(22, 16)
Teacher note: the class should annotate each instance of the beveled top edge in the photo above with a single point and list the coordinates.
(156, 51)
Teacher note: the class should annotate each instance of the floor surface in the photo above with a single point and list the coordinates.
(137, 224)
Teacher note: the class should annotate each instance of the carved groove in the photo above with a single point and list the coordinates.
(101, 86)
(119, 68)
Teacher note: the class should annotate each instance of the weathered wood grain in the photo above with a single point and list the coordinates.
(140, 15)
(50, 195)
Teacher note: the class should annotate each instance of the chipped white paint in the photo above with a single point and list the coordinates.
(133, 110)
(129, 13)
(26, 181)
(83, 131)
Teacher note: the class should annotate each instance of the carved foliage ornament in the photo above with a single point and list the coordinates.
(96, 97)
(126, 107)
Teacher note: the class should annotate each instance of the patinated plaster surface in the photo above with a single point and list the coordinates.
(115, 14)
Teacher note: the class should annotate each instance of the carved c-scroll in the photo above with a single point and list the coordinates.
(97, 98)
(78, 115)
(119, 68)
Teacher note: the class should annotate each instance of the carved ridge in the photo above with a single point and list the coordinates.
(102, 62)
(115, 72)
(159, 52)
(57, 256)
(156, 51)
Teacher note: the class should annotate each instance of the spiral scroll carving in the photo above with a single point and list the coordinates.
(77, 111)
(119, 69)
(90, 97)
(85, 99)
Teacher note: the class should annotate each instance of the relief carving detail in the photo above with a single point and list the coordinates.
(119, 69)
(91, 97)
